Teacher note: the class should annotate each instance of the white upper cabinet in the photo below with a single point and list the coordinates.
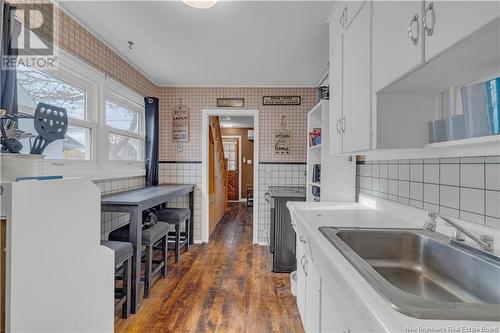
(448, 22)
(335, 118)
(336, 26)
(397, 40)
(356, 82)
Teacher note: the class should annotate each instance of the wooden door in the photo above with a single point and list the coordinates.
(231, 153)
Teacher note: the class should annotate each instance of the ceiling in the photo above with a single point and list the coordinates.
(236, 122)
(234, 43)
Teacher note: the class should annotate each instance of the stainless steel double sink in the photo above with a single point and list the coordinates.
(421, 274)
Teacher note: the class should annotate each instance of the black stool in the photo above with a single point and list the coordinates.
(176, 216)
(157, 233)
(123, 255)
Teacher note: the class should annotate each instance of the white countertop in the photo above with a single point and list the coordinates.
(331, 264)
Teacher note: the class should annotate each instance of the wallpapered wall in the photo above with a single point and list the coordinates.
(78, 41)
(199, 98)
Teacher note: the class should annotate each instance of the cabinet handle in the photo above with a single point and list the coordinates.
(338, 126)
(302, 261)
(427, 28)
(342, 127)
(305, 267)
(345, 16)
(413, 39)
(302, 239)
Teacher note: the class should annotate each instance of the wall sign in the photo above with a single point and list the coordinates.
(230, 102)
(282, 139)
(281, 100)
(180, 123)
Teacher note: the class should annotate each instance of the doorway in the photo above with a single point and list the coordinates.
(235, 146)
(232, 156)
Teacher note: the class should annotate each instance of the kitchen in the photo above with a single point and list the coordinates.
(376, 167)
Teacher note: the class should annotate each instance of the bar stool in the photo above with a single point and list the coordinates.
(156, 234)
(123, 255)
(176, 216)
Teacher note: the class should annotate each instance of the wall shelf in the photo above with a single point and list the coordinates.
(483, 140)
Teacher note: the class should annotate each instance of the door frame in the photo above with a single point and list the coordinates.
(240, 161)
(205, 116)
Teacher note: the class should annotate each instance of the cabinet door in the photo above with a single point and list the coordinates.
(335, 98)
(301, 280)
(452, 21)
(356, 79)
(313, 300)
(394, 52)
(335, 26)
(331, 312)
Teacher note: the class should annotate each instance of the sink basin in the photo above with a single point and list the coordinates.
(421, 274)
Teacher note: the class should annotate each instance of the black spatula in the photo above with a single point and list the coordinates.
(51, 123)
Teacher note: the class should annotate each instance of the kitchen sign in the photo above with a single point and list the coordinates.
(180, 123)
(282, 139)
(281, 100)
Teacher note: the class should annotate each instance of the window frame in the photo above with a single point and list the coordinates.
(116, 92)
(97, 86)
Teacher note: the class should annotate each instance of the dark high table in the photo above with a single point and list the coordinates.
(135, 202)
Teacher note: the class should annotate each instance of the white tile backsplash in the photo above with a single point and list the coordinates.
(463, 187)
(449, 174)
(472, 200)
(472, 175)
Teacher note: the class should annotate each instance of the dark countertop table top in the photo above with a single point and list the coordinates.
(287, 191)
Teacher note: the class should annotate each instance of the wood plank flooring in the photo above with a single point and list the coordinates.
(223, 286)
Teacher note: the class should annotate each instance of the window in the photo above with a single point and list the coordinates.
(35, 86)
(105, 135)
(230, 150)
(124, 122)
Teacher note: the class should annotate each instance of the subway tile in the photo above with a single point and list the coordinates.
(416, 203)
(416, 191)
(472, 175)
(472, 200)
(493, 204)
(416, 172)
(476, 159)
(384, 171)
(393, 171)
(393, 187)
(492, 176)
(450, 160)
(492, 159)
(384, 185)
(404, 172)
(431, 173)
(375, 170)
(493, 222)
(404, 189)
(449, 196)
(471, 217)
(449, 212)
(449, 174)
(431, 193)
(431, 207)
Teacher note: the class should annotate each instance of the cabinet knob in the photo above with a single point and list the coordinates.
(414, 38)
(429, 29)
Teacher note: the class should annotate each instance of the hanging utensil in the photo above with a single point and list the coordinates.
(51, 123)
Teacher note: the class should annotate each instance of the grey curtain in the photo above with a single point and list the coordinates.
(10, 30)
(152, 123)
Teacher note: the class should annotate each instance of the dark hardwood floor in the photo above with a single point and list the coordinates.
(223, 286)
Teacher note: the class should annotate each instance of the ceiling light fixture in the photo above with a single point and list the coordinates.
(200, 4)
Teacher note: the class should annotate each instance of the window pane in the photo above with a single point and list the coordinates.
(122, 148)
(122, 117)
(75, 146)
(35, 86)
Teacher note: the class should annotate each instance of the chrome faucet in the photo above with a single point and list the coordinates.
(486, 242)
